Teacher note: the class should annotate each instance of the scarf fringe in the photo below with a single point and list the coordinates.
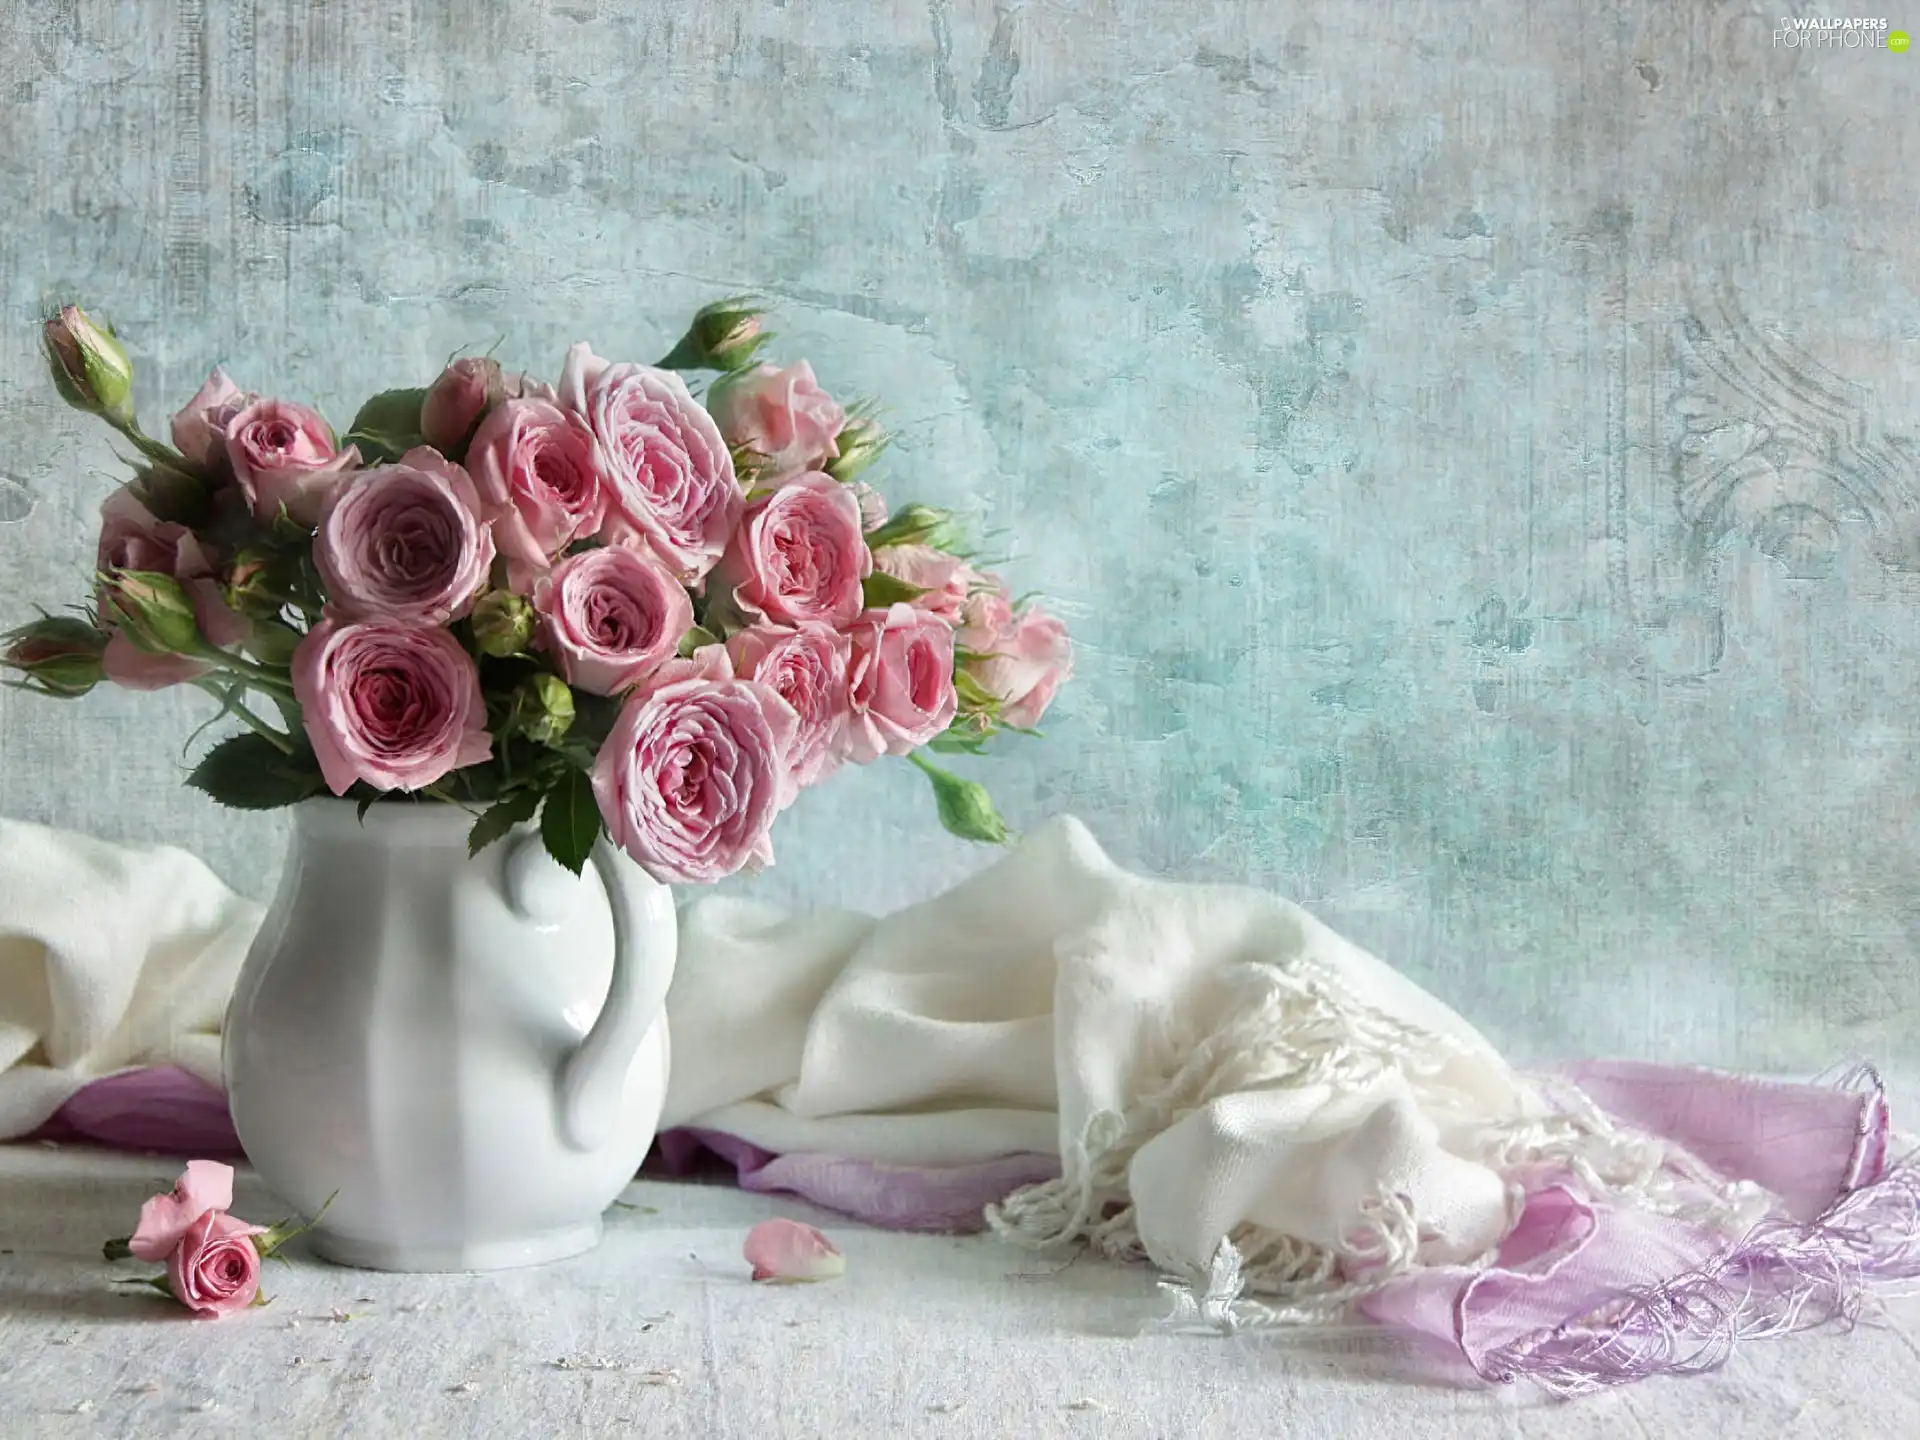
(1291, 1027)
(1782, 1277)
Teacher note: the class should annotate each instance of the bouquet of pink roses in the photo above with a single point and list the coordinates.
(602, 601)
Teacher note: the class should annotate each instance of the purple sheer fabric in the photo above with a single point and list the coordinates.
(1580, 1296)
(941, 1199)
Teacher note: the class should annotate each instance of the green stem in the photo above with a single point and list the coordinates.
(246, 717)
(148, 446)
(928, 767)
(257, 674)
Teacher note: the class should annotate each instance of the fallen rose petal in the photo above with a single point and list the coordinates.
(786, 1252)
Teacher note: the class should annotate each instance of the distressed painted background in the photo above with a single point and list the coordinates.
(1473, 443)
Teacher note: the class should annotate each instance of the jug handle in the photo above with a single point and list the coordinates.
(593, 1078)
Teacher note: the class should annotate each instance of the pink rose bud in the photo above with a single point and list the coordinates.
(204, 1185)
(543, 709)
(807, 668)
(215, 1269)
(724, 336)
(917, 525)
(284, 456)
(800, 555)
(503, 623)
(132, 540)
(859, 444)
(152, 610)
(669, 476)
(694, 772)
(404, 542)
(200, 426)
(56, 655)
(455, 402)
(391, 704)
(900, 688)
(539, 480)
(90, 366)
(786, 1252)
(611, 617)
(781, 415)
(1018, 659)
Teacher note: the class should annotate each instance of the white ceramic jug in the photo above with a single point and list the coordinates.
(469, 1055)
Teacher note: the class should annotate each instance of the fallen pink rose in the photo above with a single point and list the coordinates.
(785, 1252)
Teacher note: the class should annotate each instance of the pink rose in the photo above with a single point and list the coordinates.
(204, 1185)
(781, 414)
(695, 770)
(611, 617)
(538, 478)
(455, 402)
(799, 554)
(284, 455)
(132, 539)
(404, 542)
(669, 475)
(215, 1269)
(1019, 657)
(944, 579)
(807, 668)
(200, 428)
(900, 683)
(394, 705)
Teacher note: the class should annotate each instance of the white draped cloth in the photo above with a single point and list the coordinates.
(1230, 1086)
(111, 957)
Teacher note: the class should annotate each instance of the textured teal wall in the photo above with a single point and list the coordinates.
(1471, 442)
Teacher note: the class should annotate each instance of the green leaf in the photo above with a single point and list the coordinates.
(388, 425)
(881, 590)
(570, 820)
(171, 493)
(698, 638)
(248, 772)
(366, 803)
(499, 818)
(117, 1249)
